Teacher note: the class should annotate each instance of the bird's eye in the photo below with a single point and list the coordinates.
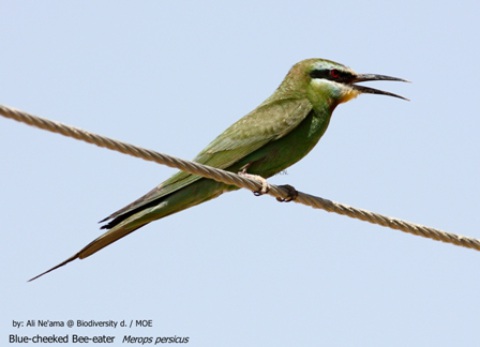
(335, 74)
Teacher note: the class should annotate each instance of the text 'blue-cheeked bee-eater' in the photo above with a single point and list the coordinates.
(274, 136)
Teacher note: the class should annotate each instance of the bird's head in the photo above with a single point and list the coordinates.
(331, 82)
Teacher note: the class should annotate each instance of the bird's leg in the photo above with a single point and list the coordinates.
(265, 186)
(291, 191)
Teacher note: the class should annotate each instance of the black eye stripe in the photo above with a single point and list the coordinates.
(320, 73)
(332, 75)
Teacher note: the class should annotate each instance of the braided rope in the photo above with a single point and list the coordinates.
(234, 179)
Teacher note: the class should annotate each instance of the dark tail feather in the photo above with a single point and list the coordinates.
(103, 241)
(72, 258)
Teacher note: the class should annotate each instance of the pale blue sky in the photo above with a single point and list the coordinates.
(241, 270)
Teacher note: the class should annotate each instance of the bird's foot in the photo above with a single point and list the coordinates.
(265, 186)
(291, 191)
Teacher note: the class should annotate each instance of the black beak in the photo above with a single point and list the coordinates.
(371, 77)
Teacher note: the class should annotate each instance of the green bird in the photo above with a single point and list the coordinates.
(274, 136)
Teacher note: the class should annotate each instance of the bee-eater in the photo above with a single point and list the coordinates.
(274, 136)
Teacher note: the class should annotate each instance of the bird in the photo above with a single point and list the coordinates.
(266, 141)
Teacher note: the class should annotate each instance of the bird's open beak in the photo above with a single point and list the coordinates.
(371, 77)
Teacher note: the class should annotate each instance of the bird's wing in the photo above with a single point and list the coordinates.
(270, 121)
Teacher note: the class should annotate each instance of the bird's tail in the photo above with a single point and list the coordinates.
(182, 199)
(104, 240)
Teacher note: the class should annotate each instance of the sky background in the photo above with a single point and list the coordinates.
(242, 270)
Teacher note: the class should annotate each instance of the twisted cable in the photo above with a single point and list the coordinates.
(239, 181)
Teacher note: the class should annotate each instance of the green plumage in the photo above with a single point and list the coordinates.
(274, 136)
